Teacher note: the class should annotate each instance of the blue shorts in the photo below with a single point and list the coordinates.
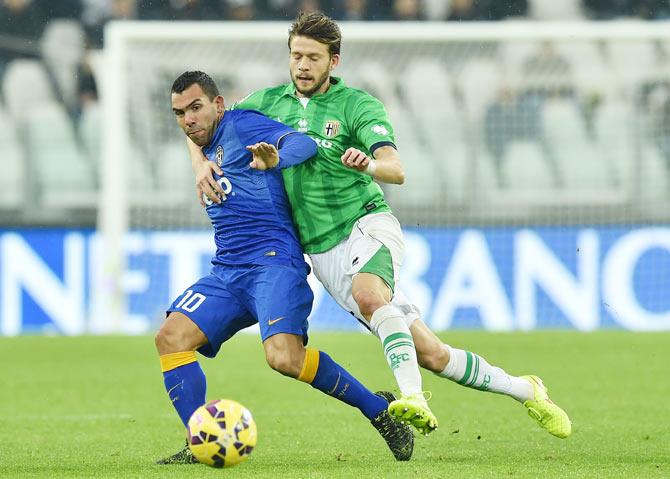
(232, 298)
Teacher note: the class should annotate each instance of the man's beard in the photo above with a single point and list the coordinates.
(314, 89)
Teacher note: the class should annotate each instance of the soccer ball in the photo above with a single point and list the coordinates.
(221, 433)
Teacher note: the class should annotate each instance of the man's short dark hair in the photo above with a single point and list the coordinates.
(319, 27)
(187, 79)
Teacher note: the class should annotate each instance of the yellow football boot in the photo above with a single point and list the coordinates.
(547, 414)
(413, 409)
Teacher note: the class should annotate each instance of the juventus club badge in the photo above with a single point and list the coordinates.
(219, 155)
(331, 128)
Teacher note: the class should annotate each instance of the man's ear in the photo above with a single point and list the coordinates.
(220, 105)
(334, 61)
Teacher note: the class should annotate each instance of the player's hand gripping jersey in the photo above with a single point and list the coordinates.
(253, 224)
(326, 197)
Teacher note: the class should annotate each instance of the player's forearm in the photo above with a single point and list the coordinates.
(295, 149)
(195, 154)
(388, 168)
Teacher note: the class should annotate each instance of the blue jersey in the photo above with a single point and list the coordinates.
(252, 224)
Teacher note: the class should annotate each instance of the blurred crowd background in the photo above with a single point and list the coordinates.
(23, 22)
(50, 57)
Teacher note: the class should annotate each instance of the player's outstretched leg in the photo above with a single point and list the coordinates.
(473, 371)
(184, 380)
(286, 354)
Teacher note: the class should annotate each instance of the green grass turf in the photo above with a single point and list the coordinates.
(95, 407)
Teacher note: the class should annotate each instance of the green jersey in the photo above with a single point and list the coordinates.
(326, 197)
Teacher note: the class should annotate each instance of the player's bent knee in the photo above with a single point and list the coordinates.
(169, 341)
(283, 363)
(173, 337)
(368, 301)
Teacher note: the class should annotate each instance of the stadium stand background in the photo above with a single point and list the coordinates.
(49, 53)
(538, 185)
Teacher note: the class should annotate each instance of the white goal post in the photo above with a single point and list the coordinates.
(466, 101)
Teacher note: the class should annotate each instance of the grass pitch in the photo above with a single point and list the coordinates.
(95, 407)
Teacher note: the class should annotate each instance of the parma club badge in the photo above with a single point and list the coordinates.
(219, 155)
(331, 128)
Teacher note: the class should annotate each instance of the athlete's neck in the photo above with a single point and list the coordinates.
(215, 126)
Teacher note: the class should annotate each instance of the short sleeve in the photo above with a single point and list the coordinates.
(371, 124)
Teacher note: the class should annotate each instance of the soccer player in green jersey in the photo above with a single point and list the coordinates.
(353, 240)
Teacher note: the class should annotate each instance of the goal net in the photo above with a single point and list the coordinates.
(535, 154)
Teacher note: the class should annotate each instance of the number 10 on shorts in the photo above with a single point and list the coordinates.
(191, 301)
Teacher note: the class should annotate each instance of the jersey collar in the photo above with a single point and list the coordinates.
(336, 84)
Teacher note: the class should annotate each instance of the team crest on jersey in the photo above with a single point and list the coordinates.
(219, 155)
(331, 128)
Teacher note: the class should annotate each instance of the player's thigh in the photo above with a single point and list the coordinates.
(331, 268)
(334, 270)
(371, 284)
(377, 242)
(375, 247)
(280, 298)
(214, 309)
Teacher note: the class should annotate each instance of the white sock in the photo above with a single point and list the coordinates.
(388, 323)
(472, 371)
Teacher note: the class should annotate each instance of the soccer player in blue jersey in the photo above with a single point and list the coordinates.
(259, 273)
